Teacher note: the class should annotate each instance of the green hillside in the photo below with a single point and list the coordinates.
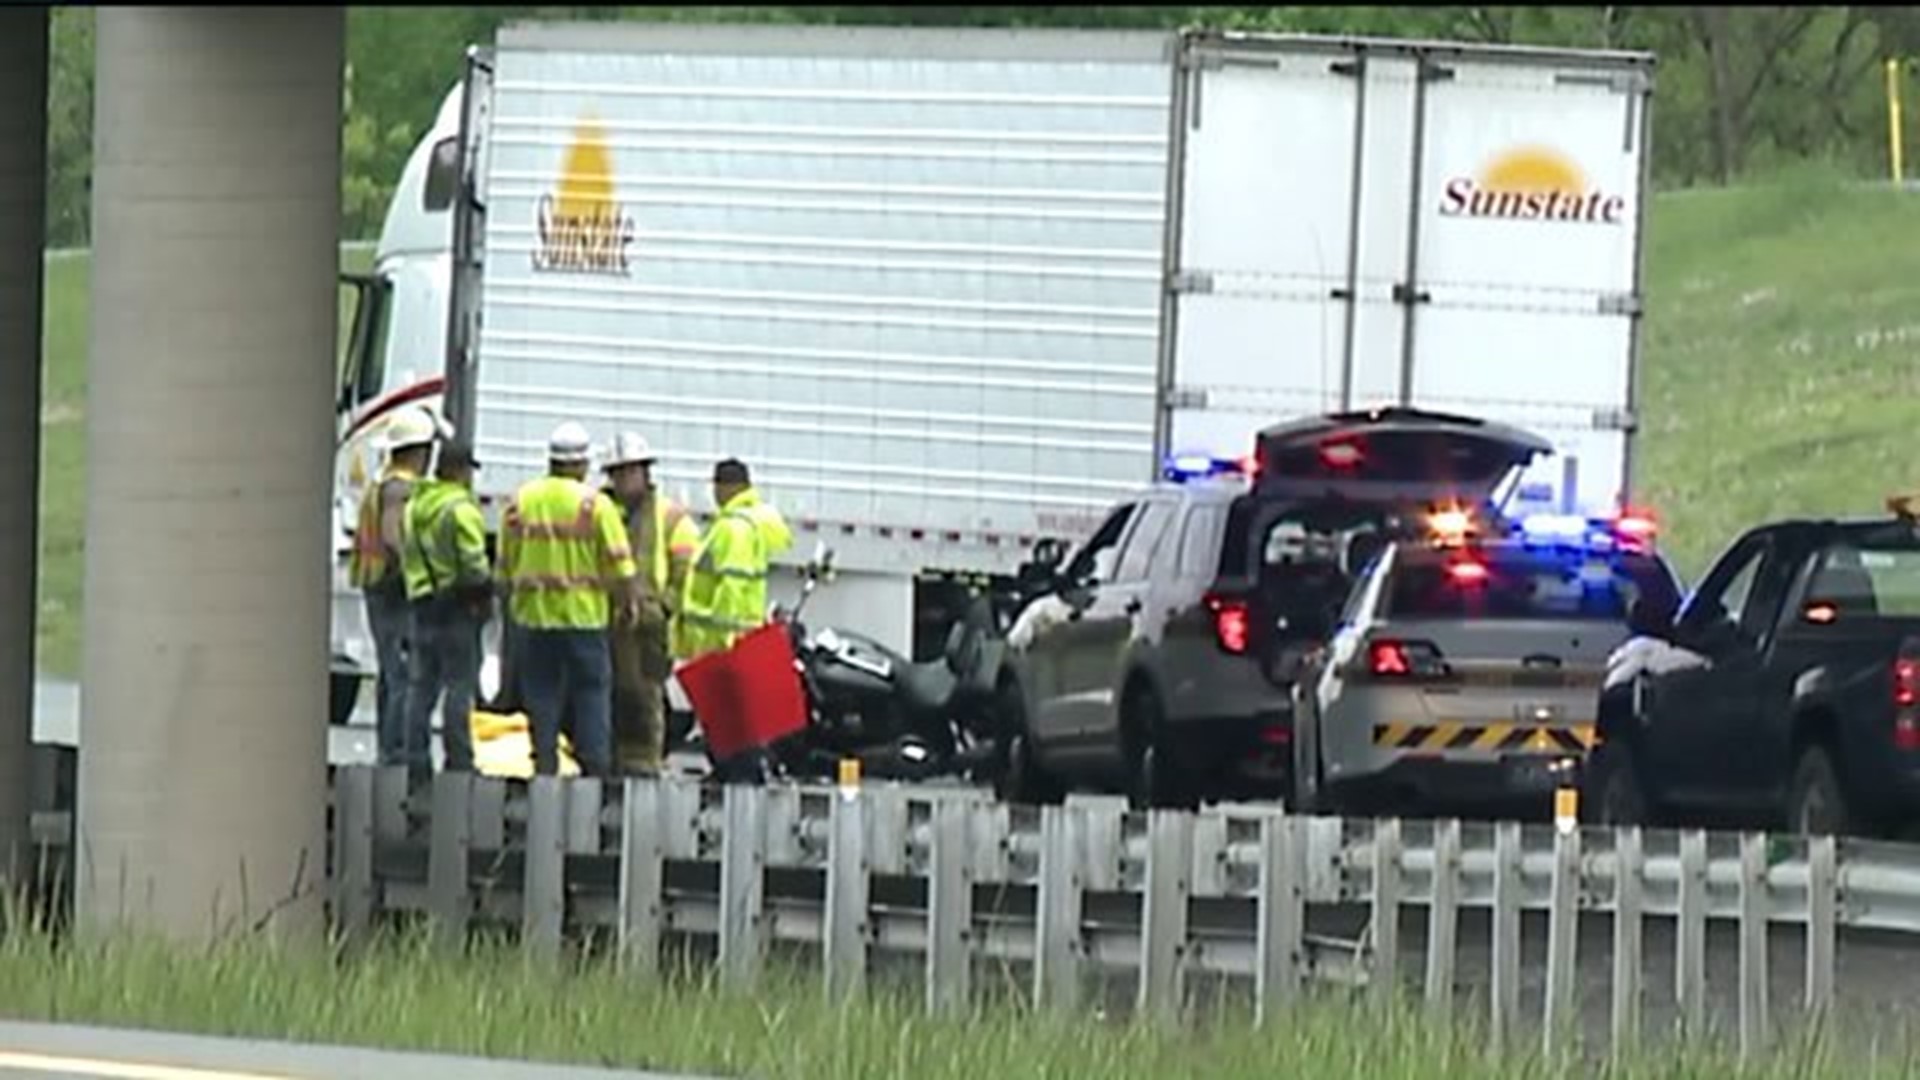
(1781, 373)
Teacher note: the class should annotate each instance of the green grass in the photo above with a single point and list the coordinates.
(1782, 361)
(491, 1002)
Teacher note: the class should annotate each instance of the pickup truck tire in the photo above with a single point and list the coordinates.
(1612, 792)
(1816, 803)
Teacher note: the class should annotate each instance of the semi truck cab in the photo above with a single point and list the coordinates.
(393, 354)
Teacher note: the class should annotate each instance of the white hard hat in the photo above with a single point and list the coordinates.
(629, 448)
(569, 443)
(411, 427)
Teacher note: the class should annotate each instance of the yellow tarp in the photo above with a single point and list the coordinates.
(503, 746)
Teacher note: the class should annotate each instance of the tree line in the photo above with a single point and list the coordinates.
(1740, 90)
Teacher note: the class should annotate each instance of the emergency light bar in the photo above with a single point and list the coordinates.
(1453, 526)
(1628, 531)
(1181, 468)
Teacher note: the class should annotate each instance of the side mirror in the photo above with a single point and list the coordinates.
(1048, 554)
(821, 565)
(1651, 618)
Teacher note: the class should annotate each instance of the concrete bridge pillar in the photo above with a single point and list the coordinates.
(23, 186)
(216, 209)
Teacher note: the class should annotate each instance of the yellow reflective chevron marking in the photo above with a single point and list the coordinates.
(1501, 736)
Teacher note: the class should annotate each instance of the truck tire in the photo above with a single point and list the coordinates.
(1611, 792)
(1816, 803)
(343, 696)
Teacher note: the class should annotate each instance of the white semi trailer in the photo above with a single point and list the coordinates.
(952, 291)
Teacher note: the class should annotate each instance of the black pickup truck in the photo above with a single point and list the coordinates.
(1785, 691)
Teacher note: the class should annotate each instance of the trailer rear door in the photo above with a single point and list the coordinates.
(1364, 223)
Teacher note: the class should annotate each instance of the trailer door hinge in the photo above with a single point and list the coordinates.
(1636, 81)
(1190, 281)
(1620, 304)
(1404, 293)
(1186, 397)
(1615, 420)
(1203, 58)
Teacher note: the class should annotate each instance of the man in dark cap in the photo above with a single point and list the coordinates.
(450, 585)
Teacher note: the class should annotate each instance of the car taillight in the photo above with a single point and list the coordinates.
(1232, 623)
(1394, 659)
(1906, 696)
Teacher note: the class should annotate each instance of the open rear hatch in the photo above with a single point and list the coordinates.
(1395, 455)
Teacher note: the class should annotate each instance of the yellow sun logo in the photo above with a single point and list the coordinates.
(1533, 170)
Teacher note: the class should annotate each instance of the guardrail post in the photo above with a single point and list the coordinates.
(1505, 999)
(642, 875)
(1103, 842)
(1385, 976)
(449, 897)
(1690, 963)
(1057, 927)
(584, 796)
(847, 892)
(1822, 901)
(1753, 944)
(1163, 911)
(390, 784)
(1281, 932)
(886, 815)
(1629, 869)
(1563, 937)
(742, 883)
(950, 907)
(1443, 916)
(544, 893)
(353, 843)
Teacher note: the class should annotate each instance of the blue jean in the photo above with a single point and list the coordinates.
(445, 661)
(568, 673)
(390, 619)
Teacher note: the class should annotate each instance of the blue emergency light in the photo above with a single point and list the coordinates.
(1181, 468)
(1626, 532)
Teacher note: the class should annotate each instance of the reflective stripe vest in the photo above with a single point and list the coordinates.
(682, 539)
(726, 592)
(445, 545)
(372, 563)
(562, 545)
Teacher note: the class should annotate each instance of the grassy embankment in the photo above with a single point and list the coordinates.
(491, 1002)
(1780, 376)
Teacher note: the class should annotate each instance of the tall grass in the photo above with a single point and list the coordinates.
(400, 993)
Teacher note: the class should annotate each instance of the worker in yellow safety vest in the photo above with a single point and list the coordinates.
(726, 593)
(569, 572)
(450, 586)
(373, 567)
(663, 538)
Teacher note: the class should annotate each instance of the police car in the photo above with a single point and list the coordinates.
(1467, 665)
(1159, 659)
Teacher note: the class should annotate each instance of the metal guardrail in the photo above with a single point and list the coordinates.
(952, 877)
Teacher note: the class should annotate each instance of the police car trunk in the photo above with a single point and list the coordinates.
(1477, 663)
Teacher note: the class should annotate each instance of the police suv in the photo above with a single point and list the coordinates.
(1158, 660)
(1467, 665)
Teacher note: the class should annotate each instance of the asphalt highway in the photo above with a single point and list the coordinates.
(63, 1052)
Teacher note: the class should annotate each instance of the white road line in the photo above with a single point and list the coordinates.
(121, 1070)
